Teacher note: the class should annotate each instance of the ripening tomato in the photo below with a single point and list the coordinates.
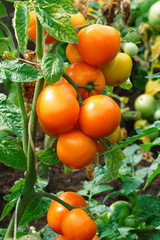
(83, 73)
(78, 225)
(75, 149)
(57, 108)
(98, 44)
(72, 53)
(113, 138)
(60, 238)
(99, 116)
(77, 19)
(57, 211)
(32, 29)
(118, 70)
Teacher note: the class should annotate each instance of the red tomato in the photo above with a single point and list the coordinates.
(99, 116)
(83, 73)
(98, 44)
(57, 211)
(78, 225)
(75, 149)
(57, 108)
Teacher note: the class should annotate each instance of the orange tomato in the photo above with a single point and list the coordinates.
(78, 225)
(96, 238)
(77, 19)
(32, 29)
(61, 238)
(98, 44)
(99, 116)
(57, 211)
(113, 138)
(83, 73)
(72, 53)
(75, 149)
(57, 108)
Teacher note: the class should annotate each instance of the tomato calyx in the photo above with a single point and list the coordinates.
(105, 142)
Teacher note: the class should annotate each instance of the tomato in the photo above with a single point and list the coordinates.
(130, 48)
(83, 73)
(113, 138)
(157, 115)
(75, 149)
(145, 104)
(78, 225)
(57, 211)
(57, 108)
(32, 29)
(72, 53)
(131, 221)
(98, 44)
(154, 16)
(118, 70)
(96, 238)
(99, 116)
(60, 238)
(121, 209)
(77, 19)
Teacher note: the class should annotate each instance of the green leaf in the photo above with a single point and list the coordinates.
(156, 75)
(3, 44)
(99, 209)
(12, 198)
(48, 156)
(131, 184)
(18, 72)
(52, 67)
(49, 233)
(36, 208)
(127, 85)
(100, 188)
(67, 5)
(153, 171)
(3, 12)
(57, 23)
(11, 153)
(147, 146)
(21, 24)
(10, 116)
(31, 237)
(113, 161)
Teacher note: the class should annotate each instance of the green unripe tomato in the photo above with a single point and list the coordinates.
(130, 48)
(146, 105)
(133, 37)
(154, 16)
(121, 209)
(157, 115)
(131, 221)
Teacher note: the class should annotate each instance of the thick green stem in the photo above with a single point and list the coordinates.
(39, 47)
(25, 118)
(54, 45)
(9, 35)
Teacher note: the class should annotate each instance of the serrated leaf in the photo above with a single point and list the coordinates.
(36, 208)
(131, 184)
(18, 72)
(52, 67)
(41, 184)
(101, 188)
(8, 207)
(113, 161)
(10, 116)
(153, 171)
(66, 4)
(21, 24)
(3, 12)
(48, 156)
(31, 237)
(127, 85)
(99, 209)
(49, 233)
(56, 22)
(11, 153)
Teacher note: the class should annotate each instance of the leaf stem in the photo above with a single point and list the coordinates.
(54, 45)
(9, 35)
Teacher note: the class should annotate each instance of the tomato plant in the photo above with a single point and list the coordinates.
(99, 116)
(98, 44)
(78, 225)
(57, 211)
(81, 147)
(131, 221)
(83, 74)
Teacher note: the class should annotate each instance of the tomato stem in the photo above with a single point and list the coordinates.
(54, 45)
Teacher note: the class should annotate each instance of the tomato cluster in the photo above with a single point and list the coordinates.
(73, 224)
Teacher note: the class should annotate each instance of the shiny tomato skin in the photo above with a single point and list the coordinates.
(75, 149)
(77, 19)
(60, 238)
(96, 238)
(99, 116)
(57, 108)
(72, 53)
(57, 211)
(78, 225)
(118, 70)
(98, 44)
(83, 73)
